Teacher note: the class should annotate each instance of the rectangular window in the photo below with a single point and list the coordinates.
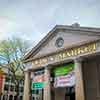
(7, 79)
(11, 88)
(21, 89)
(6, 87)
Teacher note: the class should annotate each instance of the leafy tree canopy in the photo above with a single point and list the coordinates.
(11, 54)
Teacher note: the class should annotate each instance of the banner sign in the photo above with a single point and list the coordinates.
(38, 78)
(36, 86)
(64, 69)
(37, 82)
(65, 81)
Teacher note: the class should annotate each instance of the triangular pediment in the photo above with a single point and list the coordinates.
(68, 37)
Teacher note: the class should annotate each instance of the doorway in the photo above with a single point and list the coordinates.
(70, 96)
(66, 93)
(70, 93)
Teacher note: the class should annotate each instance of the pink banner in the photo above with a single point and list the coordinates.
(65, 81)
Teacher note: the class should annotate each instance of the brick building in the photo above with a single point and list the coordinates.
(8, 87)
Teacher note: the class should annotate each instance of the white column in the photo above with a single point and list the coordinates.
(3, 83)
(47, 89)
(26, 95)
(79, 87)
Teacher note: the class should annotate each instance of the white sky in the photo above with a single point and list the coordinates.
(32, 19)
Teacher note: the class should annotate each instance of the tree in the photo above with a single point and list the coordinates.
(11, 56)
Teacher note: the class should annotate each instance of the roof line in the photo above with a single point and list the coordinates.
(67, 27)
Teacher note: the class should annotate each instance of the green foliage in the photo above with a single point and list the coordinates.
(11, 55)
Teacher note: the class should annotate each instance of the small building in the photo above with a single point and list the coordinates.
(64, 65)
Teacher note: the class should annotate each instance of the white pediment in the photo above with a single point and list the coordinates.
(70, 38)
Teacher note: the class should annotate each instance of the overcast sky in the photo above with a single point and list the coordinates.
(32, 19)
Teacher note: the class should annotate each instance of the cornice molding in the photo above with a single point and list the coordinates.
(72, 46)
(94, 31)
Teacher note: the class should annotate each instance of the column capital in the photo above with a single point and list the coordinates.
(79, 59)
(47, 67)
(27, 72)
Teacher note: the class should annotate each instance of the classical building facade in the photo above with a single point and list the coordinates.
(64, 65)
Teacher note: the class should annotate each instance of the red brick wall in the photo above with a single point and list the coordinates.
(1, 82)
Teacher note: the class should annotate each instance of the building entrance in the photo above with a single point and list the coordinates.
(70, 96)
(70, 93)
(64, 82)
(65, 93)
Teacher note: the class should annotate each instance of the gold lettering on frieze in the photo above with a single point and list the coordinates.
(67, 53)
(75, 52)
(86, 49)
(59, 56)
(43, 61)
(92, 47)
(80, 50)
(64, 55)
(72, 52)
(36, 62)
